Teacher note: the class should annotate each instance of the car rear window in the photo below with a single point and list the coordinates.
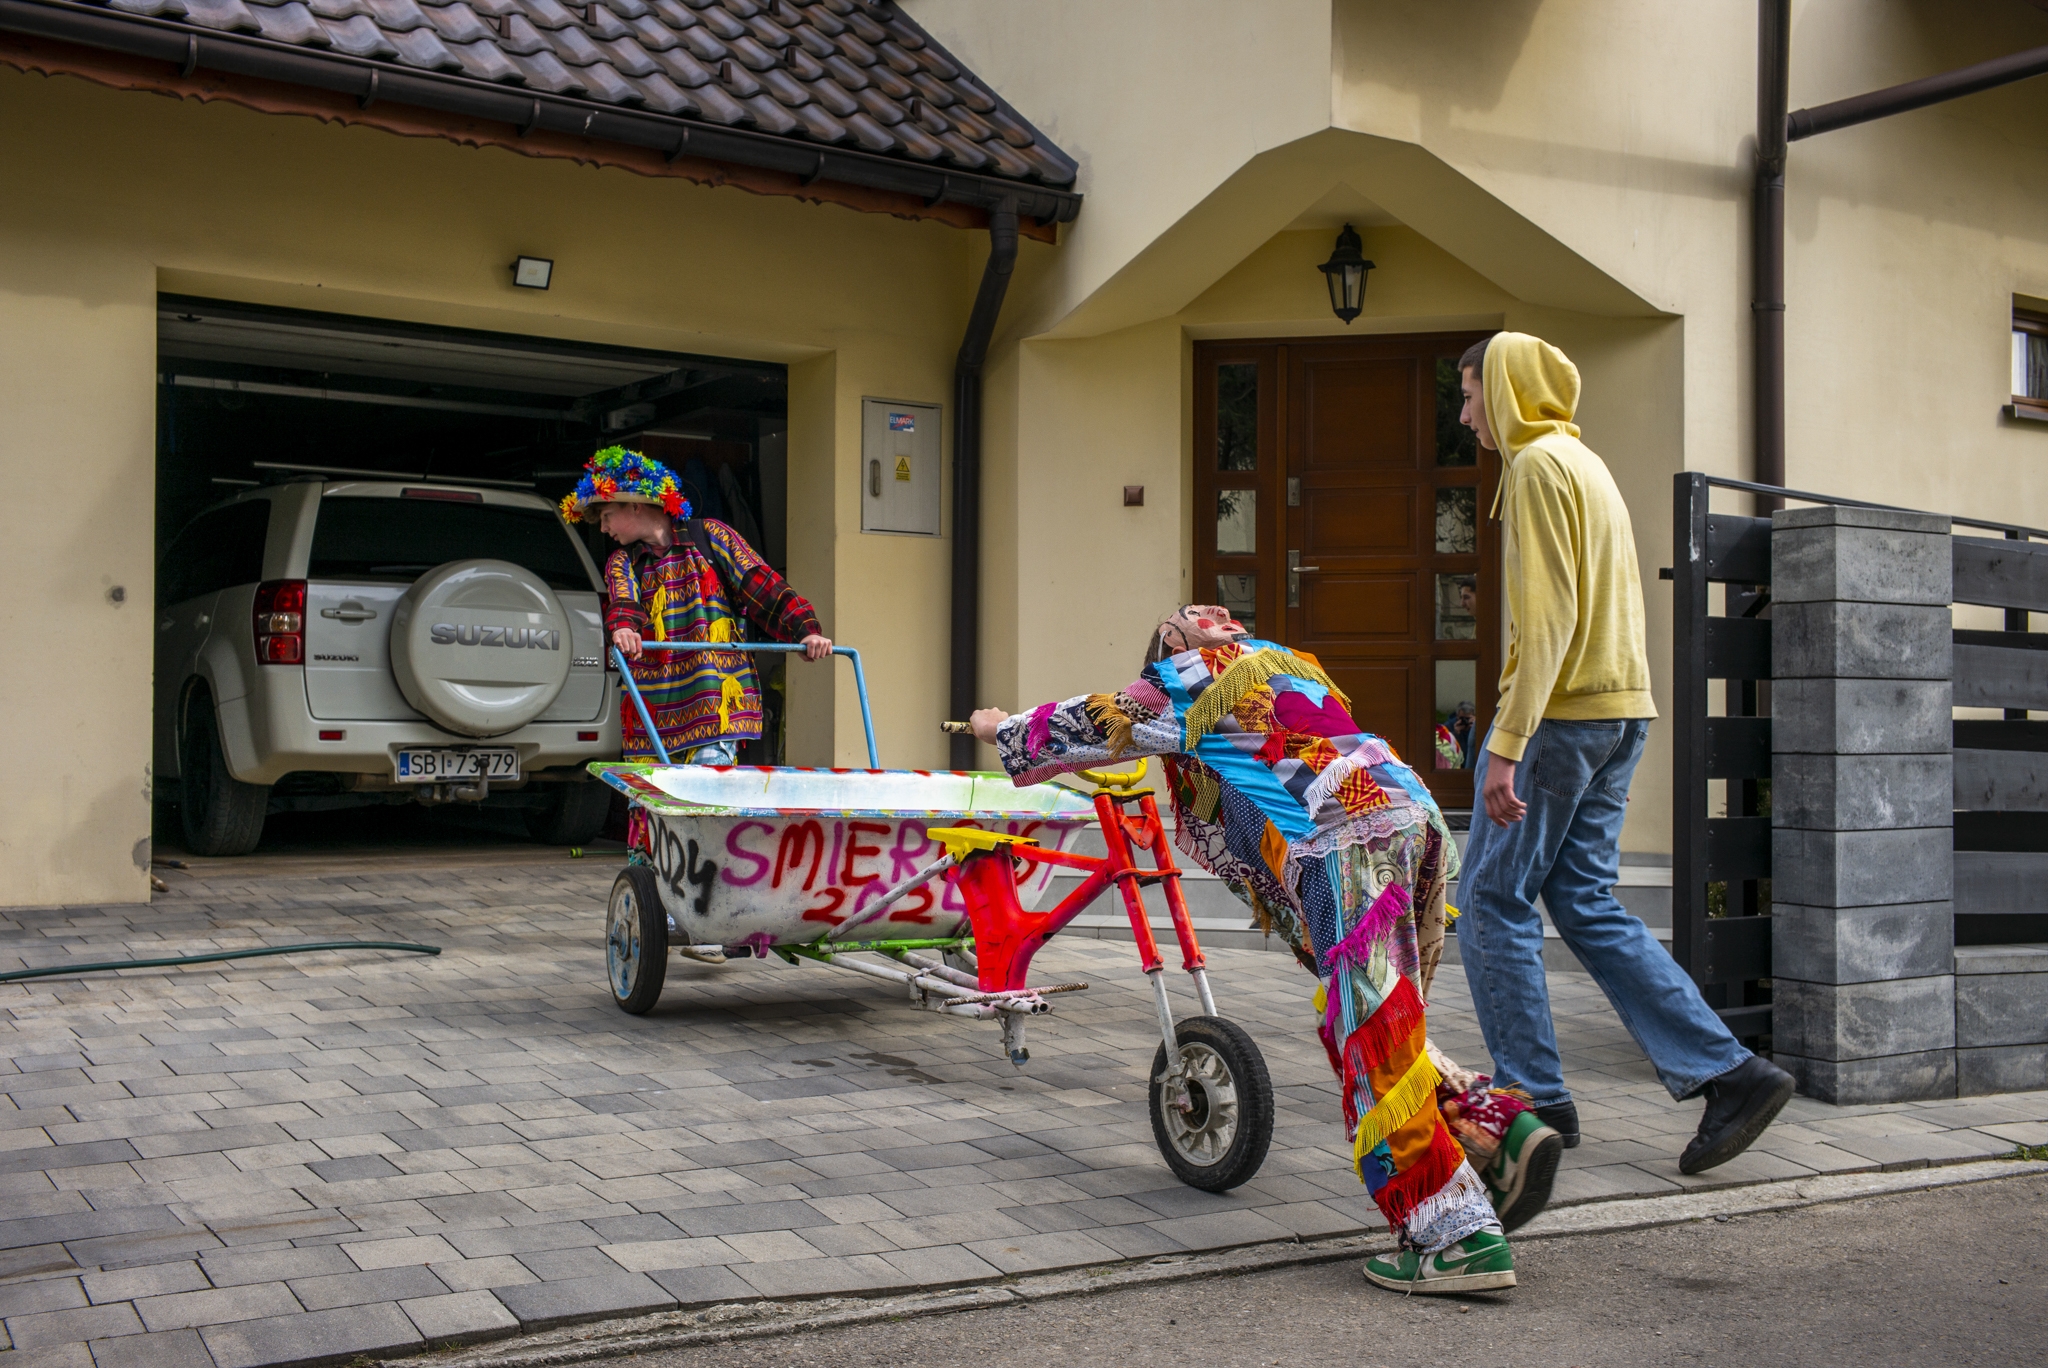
(402, 539)
(216, 551)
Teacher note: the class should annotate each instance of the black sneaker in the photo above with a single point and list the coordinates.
(1562, 1117)
(1740, 1103)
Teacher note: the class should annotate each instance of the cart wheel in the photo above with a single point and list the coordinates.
(636, 940)
(1220, 1138)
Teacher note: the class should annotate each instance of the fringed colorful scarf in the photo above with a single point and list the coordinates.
(1242, 676)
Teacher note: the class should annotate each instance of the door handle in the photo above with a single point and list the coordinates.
(874, 479)
(349, 612)
(1295, 570)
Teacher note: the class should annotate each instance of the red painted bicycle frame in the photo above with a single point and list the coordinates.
(1006, 936)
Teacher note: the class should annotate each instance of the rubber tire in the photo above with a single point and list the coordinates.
(574, 814)
(221, 815)
(1254, 1136)
(651, 922)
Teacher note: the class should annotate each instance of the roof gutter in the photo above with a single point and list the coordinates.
(188, 50)
(967, 369)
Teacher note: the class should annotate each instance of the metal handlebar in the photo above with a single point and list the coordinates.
(860, 682)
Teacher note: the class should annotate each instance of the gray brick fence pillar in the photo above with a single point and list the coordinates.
(1862, 797)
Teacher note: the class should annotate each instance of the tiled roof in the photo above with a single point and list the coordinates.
(851, 74)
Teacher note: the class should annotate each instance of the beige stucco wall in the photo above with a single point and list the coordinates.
(112, 197)
(1584, 166)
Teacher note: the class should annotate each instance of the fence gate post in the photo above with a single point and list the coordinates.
(1862, 796)
(1726, 950)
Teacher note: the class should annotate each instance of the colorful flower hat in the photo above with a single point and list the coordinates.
(616, 475)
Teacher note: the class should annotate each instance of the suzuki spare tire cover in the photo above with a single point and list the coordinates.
(480, 646)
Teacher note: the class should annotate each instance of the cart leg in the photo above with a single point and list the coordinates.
(1013, 1038)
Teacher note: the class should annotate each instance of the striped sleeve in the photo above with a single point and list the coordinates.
(622, 594)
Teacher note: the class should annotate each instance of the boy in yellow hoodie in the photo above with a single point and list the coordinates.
(1553, 776)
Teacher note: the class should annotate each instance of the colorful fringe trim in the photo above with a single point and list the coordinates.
(1375, 925)
(1114, 723)
(1399, 1106)
(1422, 1181)
(1243, 675)
(1374, 1042)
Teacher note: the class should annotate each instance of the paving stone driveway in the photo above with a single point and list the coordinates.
(303, 1159)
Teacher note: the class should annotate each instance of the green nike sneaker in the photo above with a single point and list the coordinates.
(1523, 1168)
(1478, 1263)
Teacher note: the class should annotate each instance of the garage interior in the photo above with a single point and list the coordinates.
(248, 395)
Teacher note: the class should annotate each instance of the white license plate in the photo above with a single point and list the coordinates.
(433, 766)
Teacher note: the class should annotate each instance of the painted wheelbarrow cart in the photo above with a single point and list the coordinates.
(928, 880)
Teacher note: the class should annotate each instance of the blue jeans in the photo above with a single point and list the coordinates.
(1574, 778)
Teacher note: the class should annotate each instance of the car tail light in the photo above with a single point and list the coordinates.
(334, 736)
(280, 622)
(586, 736)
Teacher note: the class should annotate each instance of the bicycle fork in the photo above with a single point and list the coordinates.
(1120, 833)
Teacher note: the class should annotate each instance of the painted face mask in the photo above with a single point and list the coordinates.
(1199, 625)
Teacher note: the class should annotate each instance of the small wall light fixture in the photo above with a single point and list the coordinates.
(1344, 273)
(534, 273)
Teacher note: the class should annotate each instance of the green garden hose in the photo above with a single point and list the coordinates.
(60, 969)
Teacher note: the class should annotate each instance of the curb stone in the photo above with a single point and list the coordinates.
(761, 1319)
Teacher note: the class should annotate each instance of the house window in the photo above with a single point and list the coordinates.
(2029, 364)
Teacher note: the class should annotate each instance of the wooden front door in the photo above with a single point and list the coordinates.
(1340, 509)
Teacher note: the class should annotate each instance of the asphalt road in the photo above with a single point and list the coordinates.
(1951, 1277)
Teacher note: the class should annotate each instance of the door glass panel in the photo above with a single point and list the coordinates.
(1457, 607)
(1455, 444)
(1457, 739)
(1457, 521)
(1237, 416)
(1240, 594)
(1237, 517)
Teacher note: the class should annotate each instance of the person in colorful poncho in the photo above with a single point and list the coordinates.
(660, 586)
(1338, 846)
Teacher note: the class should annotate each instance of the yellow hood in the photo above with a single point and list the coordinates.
(1532, 391)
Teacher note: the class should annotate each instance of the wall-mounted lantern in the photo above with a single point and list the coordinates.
(1344, 273)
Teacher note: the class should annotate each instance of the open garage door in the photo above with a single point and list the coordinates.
(337, 422)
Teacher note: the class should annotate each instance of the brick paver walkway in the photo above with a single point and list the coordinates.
(287, 1159)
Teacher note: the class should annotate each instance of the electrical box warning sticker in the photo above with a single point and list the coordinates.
(903, 469)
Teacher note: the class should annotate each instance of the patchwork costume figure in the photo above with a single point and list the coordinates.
(699, 587)
(1335, 844)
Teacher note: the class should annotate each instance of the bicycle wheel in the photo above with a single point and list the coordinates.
(1220, 1136)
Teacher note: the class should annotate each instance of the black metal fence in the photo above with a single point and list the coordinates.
(1721, 865)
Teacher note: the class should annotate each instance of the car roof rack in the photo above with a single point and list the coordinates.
(395, 475)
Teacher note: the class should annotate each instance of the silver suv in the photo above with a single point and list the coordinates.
(334, 643)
